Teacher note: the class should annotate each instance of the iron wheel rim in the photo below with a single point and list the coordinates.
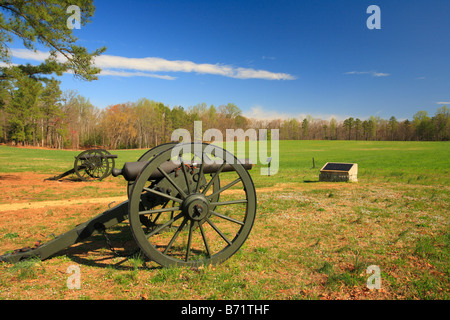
(96, 169)
(210, 253)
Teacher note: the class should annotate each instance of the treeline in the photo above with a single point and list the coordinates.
(37, 113)
(421, 128)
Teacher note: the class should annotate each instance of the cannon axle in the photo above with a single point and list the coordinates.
(131, 170)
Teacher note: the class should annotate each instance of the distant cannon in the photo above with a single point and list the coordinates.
(174, 208)
(93, 164)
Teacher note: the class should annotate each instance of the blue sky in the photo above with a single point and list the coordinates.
(270, 58)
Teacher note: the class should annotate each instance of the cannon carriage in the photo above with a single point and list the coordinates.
(175, 208)
(92, 164)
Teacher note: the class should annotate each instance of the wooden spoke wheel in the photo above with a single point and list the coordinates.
(93, 164)
(147, 157)
(177, 219)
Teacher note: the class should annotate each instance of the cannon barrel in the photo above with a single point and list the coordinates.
(131, 170)
(92, 156)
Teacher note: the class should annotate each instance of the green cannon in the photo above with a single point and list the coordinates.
(92, 164)
(175, 208)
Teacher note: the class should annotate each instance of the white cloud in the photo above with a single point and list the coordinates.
(29, 55)
(139, 66)
(134, 74)
(372, 73)
(259, 113)
(152, 64)
(380, 74)
(443, 102)
(5, 64)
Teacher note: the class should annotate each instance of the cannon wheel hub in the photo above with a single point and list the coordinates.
(195, 207)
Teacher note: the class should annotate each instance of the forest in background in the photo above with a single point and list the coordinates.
(38, 113)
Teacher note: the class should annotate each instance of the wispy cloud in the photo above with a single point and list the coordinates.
(443, 102)
(31, 55)
(5, 64)
(134, 74)
(152, 64)
(372, 73)
(259, 113)
(129, 67)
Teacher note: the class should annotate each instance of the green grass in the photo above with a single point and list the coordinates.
(410, 162)
(49, 161)
(424, 163)
(28, 269)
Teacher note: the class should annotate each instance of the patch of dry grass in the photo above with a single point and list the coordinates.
(309, 241)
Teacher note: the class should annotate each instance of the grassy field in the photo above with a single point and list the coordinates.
(425, 163)
(311, 239)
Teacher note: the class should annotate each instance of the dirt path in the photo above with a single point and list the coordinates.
(58, 203)
(64, 203)
(117, 200)
(20, 191)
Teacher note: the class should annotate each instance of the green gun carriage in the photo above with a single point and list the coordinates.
(175, 207)
(92, 164)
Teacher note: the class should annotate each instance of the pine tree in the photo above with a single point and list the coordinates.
(45, 22)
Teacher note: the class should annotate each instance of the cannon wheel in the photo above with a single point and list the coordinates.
(148, 156)
(93, 164)
(202, 231)
(111, 163)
